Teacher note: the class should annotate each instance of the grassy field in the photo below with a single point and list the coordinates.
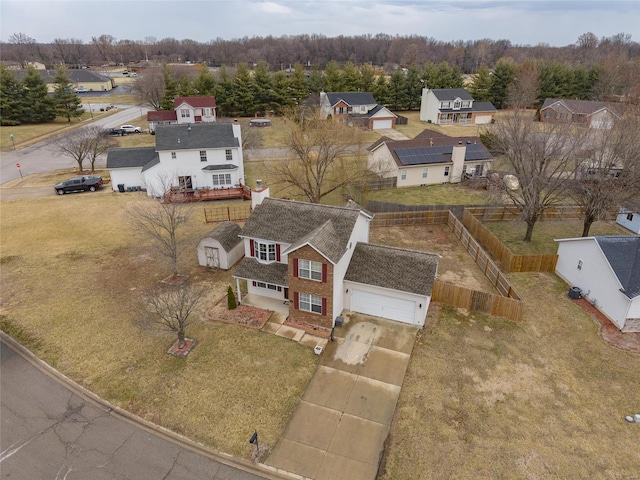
(541, 399)
(114, 99)
(445, 194)
(73, 271)
(511, 234)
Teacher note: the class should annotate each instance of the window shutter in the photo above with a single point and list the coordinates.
(254, 283)
(295, 300)
(324, 273)
(324, 306)
(253, 251)
(277, 252)
(295, 271)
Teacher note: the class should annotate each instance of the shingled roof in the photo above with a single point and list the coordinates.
(393, 268)
(583, 107)
(198, 136)
(131, 157)
(226, 233)
(351, 98)
(324, 227)
(275, 273)
(623, 254)
(451, 94)
(195, 102)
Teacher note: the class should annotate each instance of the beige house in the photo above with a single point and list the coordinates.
(80, 78)
(429, 159)
(588, 113)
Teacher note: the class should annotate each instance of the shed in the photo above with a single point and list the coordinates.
(221, 247)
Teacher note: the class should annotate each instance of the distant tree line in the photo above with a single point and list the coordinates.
(26, 100)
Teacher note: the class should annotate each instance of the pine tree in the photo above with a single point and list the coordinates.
(298, 84)
(261, 84)
(11, 98)
(171, 88)
(38, 106)
(224, 92)
(367, 78)
(67, 103)
(350, 78)
(244, 100)
(205, 83)
(480, 89)
(503, 74)
(398, 94)
(332, 77)
(381, 91)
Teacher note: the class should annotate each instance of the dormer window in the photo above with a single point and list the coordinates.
(457, 104)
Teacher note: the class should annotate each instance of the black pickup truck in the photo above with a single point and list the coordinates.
(78, 184)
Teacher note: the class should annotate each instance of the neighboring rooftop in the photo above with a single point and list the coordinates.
(131, 157)
(195, 136)
(227, 234)
(583, 107)
(351, 98)
(623, 254)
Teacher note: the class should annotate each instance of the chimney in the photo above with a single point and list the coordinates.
(458, 154)
(259, 194)
(258, 184)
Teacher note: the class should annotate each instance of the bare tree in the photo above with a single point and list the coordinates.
(83, 144)
(24, 48)
(609, 177)
(99, 143)
(150, 88)
(325, 155)
(162, 222)
(542, 158)
(172, 307)
(524, 91)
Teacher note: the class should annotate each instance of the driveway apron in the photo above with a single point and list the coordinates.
(338, 430)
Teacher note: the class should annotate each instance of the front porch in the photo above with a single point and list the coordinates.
(266, 303)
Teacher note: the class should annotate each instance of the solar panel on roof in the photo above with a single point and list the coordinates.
(438, 154)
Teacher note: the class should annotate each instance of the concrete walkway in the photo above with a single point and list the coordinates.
(338, 430)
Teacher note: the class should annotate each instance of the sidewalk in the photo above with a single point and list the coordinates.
(338, 430)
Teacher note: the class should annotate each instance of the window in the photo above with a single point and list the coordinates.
(228, 154)
(185, 113)
(457, 104)
(173, 155)
(479, 170)
(310, 303)
(221, 179)
(403, 174)
(445, 104)
(203, 155)
(547, 114)
(466, 104)
(185, 183)
(424, 172)
(207, 112)
(268, 286)
(265, 251)
(464, 170)
(446, 171)
(579, 264)
(309, 269)
(630, 216)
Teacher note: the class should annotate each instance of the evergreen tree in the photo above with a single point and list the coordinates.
(67, 103)
(245, 104)
(185, 86)
(205, 83)
(281, 92)
(350, 77)
(225, 92)
(170, 88)
(480, 89)
(380, 91)
(316, 81)
(11, 99)
(414, 87)
(367, 78)
(298, 84)
(503, 75)
(398, 94)
(38, 106)
(262, 88)
(332, 77)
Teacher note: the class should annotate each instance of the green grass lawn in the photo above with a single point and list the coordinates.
(445, 194)
(73, 272)
(511, 234)
(545, 398)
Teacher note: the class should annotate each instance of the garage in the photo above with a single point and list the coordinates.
(483, 119)
(383, 306)
(380, 124)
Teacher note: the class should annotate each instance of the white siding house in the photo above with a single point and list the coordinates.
(629, 220)
(607, 270)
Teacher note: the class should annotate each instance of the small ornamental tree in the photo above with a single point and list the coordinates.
(231, 299)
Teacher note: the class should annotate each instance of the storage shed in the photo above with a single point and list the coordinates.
(221, 247)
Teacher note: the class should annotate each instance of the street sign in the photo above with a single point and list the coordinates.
(17, 165)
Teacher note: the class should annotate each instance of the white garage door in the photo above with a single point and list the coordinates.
(482, 119)
(384, 306)
(378, 124)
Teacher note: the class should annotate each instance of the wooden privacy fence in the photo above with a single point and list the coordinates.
(221, 214)
(509, 261)
(510, 212)
(430, 217)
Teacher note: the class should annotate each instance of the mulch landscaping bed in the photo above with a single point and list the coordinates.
(244, 315)
(610, 333)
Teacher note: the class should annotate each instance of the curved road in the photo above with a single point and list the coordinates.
(52, 432)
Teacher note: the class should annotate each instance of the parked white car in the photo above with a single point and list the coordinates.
(130, 129)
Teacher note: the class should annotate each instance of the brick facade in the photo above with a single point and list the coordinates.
(323, 288)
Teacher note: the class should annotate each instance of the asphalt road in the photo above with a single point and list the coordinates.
(42, 157)
(50, 432)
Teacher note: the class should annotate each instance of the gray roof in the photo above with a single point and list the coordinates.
(195, 136)
(483, 107)
(275, 273)
(351, 98)
(75, 75)
(295, 223)
(623, 254)
(130, 157)
(441, 154)
(583, 107)
(393, 268)
(451, 94)
(227, 234)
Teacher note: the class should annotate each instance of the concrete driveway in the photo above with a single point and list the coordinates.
(338, 430)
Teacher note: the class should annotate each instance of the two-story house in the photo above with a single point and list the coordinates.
(447, 106)
(317, 258)
(198, 156)
(186, 110)
(357, 108)
(429, 158)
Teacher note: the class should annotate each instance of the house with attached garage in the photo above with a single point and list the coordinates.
(188, 157)
(185, 110)
(317, 258)
(454, 106)
(357, 108)
(428, 159)
(607, 271)
(587, 113)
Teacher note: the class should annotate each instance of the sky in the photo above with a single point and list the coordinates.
(523, 22)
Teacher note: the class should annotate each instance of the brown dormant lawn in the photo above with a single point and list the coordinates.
(73, 272)
(545, 398)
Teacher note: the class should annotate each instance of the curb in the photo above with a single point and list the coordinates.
(264, 471)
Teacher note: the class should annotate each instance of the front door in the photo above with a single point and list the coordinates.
(213, 256)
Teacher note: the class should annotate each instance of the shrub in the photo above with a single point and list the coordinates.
(231, 299)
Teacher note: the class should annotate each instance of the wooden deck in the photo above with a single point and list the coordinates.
(205, 195)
